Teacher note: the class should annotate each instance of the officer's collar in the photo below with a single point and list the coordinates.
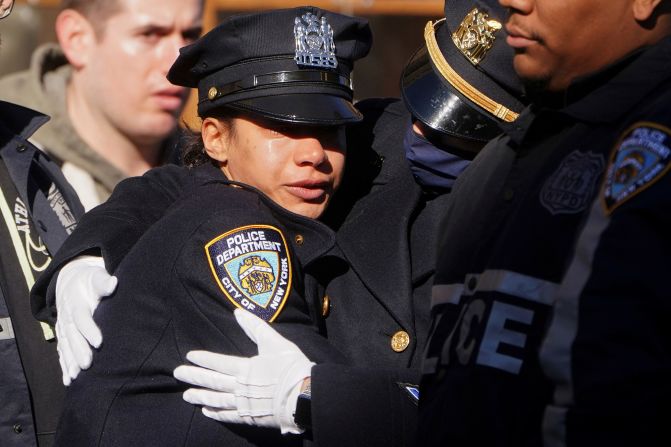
(608, 94)
(208, 173)
(20, 121)
(580, 88)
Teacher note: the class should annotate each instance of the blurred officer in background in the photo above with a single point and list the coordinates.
(38, 209)
(114, 113)
(551, 299)
(401, 166)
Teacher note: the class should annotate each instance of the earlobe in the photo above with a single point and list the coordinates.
(644, 9)
(76, 37)
(215, 138)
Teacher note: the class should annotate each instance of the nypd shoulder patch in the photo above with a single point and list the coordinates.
(641, 157)
(251, 265)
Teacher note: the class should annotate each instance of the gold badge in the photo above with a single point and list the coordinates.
(475, 36)
(213, 93)
(400, 341)
(256, 275)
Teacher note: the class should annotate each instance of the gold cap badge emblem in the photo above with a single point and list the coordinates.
(213, 93)
(475, 36)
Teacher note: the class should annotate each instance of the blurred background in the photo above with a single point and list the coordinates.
(397, 25)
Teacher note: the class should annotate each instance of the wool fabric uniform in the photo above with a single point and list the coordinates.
(379, 300)
(369, 400)
(383, 294)
(217, 248)
(376, 294)
(551, 300)
(288, 65)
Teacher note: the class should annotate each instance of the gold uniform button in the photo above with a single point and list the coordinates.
(299, 239)
(326, 306)
(212, 93)
(400, 341)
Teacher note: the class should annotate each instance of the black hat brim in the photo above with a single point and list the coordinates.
(305, 108)
(431, 99)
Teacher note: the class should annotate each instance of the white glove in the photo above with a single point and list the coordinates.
(80, 285)
(260, 391)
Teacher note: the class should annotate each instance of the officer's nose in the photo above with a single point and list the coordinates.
(518, 6)
(309, 152)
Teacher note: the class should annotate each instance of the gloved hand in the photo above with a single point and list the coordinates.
(260, 390)
(80, 285)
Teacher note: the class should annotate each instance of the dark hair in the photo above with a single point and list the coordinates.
(193, 148)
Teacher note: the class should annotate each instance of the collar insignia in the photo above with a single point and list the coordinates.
(314, 42)
(412, 391)
(251, 266)
(475, 36)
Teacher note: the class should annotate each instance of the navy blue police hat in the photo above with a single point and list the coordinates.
(291, 65)
(462, 81)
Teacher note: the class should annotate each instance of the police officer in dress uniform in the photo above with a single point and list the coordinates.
(402, 161)
(551, 302)
(38, 209)
(274, 102)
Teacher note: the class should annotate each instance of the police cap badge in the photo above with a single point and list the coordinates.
(290, 65)
(462, 82)
(314, 42)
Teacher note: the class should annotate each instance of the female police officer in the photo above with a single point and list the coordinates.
(382, 292)
(275, 94)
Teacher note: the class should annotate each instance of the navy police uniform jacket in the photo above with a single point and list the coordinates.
(550, 304)
(216, 248)
(379, 300)
(375, 283)
(38, 209)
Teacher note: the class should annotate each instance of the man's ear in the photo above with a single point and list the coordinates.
(76, 36)
(215, 135)
(644, 9)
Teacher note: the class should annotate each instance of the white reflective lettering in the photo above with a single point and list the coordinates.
(473, 314)
(276, 299)
(496, 333)
(284, 274)
(247, 304)
(230, 287)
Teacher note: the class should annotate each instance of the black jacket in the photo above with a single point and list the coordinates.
(216, 248)
(386, 230)
(377, 277)
(551, 305)
(38, 210)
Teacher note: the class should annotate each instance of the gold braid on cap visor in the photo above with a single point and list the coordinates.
(459, 83)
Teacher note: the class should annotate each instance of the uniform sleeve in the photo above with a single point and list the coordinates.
(136, 204)
(112, 228)
(239, 256)
(363, 406)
